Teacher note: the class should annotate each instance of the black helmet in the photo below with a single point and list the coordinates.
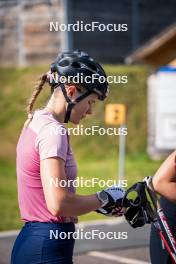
(80, 63)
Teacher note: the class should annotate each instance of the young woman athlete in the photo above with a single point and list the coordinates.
(44, 157)
(164, 183)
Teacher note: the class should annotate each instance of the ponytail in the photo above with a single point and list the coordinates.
(33, 98)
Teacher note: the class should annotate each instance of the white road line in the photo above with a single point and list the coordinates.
(108, 222)
(116, 258)
(4, 234)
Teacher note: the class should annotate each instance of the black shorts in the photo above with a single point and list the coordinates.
(157, 253)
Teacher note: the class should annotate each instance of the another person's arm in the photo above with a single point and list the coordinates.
(164, 180)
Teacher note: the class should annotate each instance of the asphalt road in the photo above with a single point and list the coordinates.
(138, 255)
(97, 250)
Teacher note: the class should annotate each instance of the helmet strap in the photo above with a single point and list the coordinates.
(68, 111)
(71, 104)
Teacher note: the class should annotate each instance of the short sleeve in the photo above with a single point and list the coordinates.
(52, 143)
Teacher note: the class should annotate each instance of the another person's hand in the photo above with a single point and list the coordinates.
(111, 199)
(148, 181)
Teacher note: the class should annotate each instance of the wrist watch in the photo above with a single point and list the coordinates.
(103, 198)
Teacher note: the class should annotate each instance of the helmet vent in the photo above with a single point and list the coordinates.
(91, 66)
(76, 64)
(64, 63)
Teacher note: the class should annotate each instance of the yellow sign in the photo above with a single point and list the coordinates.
(115, 114)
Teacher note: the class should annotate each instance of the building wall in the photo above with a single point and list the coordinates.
(161, 113)
(8, 35)
(25, 36)
(145, 19)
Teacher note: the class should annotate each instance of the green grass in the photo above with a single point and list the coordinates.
(96, 155)
(17, 86)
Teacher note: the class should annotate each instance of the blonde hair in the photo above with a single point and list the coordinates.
(33, 98)
(43, 79)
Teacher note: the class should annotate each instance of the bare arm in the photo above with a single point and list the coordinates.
(164, 181)
(59, 200)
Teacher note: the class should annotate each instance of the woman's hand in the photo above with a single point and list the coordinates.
(111, 201)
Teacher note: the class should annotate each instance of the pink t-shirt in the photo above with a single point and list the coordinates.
(44, 137)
